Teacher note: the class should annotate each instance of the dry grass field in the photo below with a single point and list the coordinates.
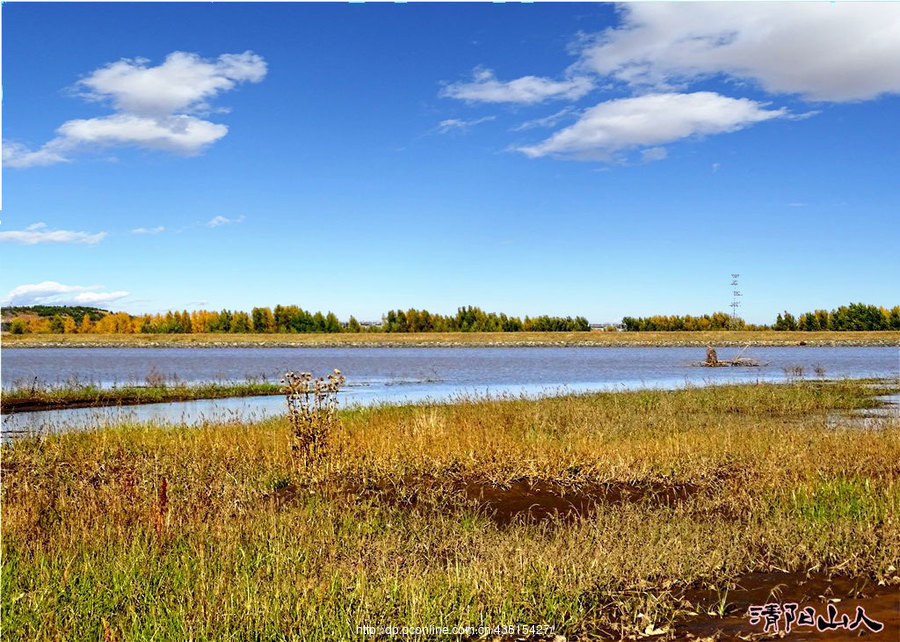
(658, 514)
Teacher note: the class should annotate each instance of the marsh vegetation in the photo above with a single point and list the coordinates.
(616, 514)
(39, 396)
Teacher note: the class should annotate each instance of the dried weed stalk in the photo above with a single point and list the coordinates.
(312, 409)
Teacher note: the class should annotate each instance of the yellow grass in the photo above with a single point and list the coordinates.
(210, 533)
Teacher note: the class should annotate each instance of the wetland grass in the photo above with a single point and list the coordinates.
(605, 515)
(37, 397)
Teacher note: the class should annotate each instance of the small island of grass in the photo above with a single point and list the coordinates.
(24, 399)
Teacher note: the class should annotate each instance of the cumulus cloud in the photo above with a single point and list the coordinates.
(40, 233)
(821, 51)
(51, 292)
(180, 134)
(456, 124)
(148, 230)
(649, 121)
(183, 83)
(155, 107)
(526, 90)
(659, 52)
(218, 221)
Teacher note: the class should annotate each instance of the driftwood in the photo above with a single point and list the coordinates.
(713, 361)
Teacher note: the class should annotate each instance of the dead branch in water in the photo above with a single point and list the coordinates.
(713, 361)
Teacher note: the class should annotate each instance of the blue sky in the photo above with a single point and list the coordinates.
(585, 159)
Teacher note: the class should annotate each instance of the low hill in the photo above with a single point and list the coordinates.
(77, 312)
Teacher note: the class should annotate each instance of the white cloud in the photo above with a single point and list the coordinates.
(20, 156)
(181, 84)
(653, 154)
(455, 124)
(547, 121)
(148, 230)
(530, 89)
(649, 121)
(51, 292)
(218, 221)
(822, 51)
(816, 51)
(180, 134)
(39, 233)
(156, 107)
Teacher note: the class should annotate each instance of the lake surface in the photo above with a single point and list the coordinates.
(398, 375)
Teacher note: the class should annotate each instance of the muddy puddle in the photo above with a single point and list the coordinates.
(706, 614)
(537, 501)
(523, 500)
(885, 411)
(831, 598)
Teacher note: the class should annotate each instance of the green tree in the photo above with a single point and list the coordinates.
(57, 325)
(332, 323)
(240, 323)
(263, 320)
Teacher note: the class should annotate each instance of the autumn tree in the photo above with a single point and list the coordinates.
(86, 324)
(18, 326)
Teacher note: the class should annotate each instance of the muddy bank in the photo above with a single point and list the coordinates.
(520, 501)
(888, 338)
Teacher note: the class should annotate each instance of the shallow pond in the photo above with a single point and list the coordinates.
(398, 375)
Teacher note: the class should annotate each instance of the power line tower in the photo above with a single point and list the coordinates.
(735, 301)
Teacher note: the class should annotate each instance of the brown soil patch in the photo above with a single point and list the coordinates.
(880, 603)
(523, 500)
(536, 501)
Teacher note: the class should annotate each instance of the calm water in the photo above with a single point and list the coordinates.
(396, 375)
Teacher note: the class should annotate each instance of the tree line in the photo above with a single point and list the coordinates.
(294, 319)
(856, 316)
(474, 319)
(715, 321)
(288, 320)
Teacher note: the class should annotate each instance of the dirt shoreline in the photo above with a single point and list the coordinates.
(465, 340)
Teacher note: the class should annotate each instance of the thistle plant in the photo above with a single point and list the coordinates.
(312, 410)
